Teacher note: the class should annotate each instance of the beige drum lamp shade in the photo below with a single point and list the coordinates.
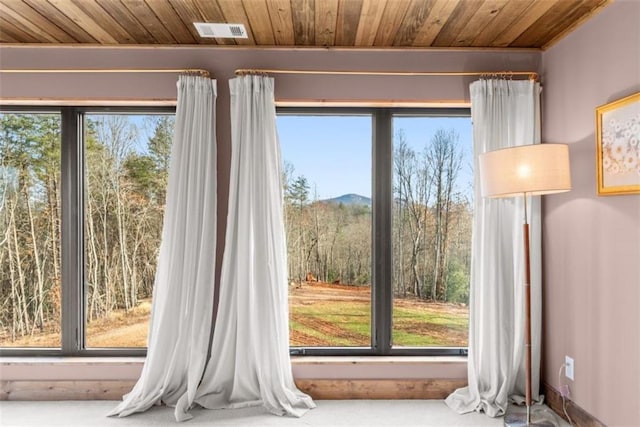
(531, 169)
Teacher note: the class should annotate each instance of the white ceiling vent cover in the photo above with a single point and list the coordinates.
(233, 31)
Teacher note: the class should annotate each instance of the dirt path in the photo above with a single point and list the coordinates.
(313, 292)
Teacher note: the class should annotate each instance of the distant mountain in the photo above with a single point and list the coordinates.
(349, 199)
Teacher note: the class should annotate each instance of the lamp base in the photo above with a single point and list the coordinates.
(516, 416)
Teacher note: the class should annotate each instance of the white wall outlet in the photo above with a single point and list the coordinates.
(568, 367)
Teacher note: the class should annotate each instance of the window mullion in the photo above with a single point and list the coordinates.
(382, 304)
(72, 232)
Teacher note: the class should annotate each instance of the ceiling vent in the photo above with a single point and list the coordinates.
(233, 31)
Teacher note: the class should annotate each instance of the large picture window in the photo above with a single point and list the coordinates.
(378, 207)
(82, 194)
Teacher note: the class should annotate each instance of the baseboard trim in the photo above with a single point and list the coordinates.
(321, 389)
(579, 416)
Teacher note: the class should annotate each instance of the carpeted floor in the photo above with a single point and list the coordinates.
(328, 413)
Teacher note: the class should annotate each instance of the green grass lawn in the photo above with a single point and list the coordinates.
(348, 323)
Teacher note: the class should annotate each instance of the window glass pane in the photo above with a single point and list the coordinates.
(30, 230)
(327, 187)
(126, 169)
(433, 190)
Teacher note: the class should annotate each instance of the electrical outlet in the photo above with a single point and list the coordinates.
(568, 368)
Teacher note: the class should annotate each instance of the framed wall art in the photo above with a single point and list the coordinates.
(618, 146)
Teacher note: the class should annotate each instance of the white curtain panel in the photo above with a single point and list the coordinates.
(505, 114)
(250, 362)
(182, 307)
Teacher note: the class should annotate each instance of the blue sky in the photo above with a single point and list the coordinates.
(334, 152)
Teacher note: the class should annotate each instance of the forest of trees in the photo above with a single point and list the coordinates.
(431, 226)
(126, 160)
(124, 196)
(29, 224)
(332, 241)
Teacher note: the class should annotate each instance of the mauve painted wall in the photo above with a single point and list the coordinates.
(222, 62)
(592, 244)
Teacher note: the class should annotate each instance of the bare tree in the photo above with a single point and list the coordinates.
(414, 190)
(445, 161)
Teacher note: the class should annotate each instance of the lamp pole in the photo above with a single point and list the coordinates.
(527, 311)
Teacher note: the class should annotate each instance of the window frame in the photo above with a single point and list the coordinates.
(72, 187)
(381, 229)
(72, 245)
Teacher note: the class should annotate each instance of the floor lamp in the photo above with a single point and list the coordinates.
(524, 171)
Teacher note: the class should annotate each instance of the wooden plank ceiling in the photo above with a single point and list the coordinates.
(320, 23)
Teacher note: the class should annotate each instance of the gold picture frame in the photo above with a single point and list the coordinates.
(618, 146)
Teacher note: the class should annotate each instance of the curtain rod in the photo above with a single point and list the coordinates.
(203, 73)
(531, 74)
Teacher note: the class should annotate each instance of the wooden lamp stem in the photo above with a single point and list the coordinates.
(527, 321)
(527, 312)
